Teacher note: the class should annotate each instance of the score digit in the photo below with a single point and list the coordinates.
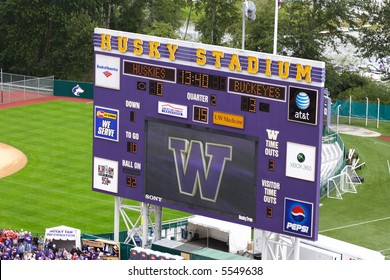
(156, 88)
(200, 114)
(248, 104)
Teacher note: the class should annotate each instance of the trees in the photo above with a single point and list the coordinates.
(306, 27)
(215, 17)
(41, 37)
(375, 28)
(48, 37)
(164, 17)
(260, 32)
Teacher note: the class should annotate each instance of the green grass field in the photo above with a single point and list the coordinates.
(55, 187)
(363, 218)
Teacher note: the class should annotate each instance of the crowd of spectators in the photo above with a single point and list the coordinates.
(22, 245)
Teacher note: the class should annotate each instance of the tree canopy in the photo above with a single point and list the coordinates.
(48, 37)
(375, 28)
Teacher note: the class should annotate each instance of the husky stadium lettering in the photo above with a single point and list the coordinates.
(153, 49)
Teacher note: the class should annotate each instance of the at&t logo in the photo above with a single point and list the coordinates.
(302, 101)
(303, 105)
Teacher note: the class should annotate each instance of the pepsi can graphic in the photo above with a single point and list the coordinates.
(298, 217)
(302, 105)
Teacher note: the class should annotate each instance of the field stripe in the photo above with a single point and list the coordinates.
(57, 191)
(354, 225)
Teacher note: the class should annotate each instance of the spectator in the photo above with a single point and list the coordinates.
(21, 250)
(55, 249)
(30, 247)
(35, 240)
(66, 255)
(28, 241)
(21, 236)
(46, 246)
(50, 244)
(41, 243)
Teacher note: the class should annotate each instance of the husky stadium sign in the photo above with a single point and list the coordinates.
(220, 132)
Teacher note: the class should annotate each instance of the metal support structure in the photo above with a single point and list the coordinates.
(157, 222)
(117, 203)
(138, 230)
(145, 223)
(279, 247)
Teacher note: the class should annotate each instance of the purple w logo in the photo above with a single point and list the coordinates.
(199, 167)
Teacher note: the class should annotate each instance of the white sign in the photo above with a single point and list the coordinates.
(173, 110)
(107, 71)
(300, 161)
(105, 175)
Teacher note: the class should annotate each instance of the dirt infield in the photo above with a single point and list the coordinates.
(43, 99)
(358, 131)
(11, 160)
(354, 130)
(385, 138)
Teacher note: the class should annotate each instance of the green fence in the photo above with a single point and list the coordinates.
(73, 89)
(371, 110)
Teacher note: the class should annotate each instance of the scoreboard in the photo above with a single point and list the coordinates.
(220, 132)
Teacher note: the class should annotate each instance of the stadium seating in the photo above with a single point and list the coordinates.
(332, 160)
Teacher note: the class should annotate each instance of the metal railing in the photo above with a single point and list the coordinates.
(15, 87)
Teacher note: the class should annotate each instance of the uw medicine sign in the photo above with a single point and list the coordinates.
(225, 133)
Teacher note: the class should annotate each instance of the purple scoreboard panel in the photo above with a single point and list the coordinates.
(225, 133)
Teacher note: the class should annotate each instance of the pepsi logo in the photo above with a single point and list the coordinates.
(298, 217)
(302, 100)
(298, 214)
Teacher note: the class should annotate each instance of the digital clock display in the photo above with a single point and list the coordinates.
(201, 80)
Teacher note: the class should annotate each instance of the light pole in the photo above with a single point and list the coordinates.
(377, 120)
(366, 110)
(276, 26)
(338, 118)
(249, 11)
(350, 109)
(243, 26)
